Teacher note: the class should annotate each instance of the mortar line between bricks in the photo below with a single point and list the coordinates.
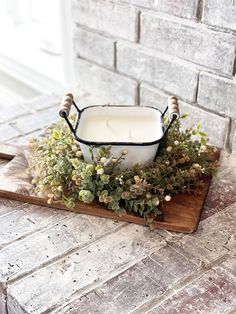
(96, 284)
(179, 286)
(229, 137)
(34, 111)
(105, 67)
(212, 111)
(64, 255)
(115, 56)
(16, 207)
(33, 232)
(12, 124)
(180, 253)
(197, 89)
(219, 29)
(16, 117)
(199, 11)
(166, 93)
(14, 303)
(138, 26)
(137, 95)
(3, 215)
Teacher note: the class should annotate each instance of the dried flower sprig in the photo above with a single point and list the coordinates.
(61, 175)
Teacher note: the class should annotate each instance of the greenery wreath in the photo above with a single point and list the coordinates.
(60, 173)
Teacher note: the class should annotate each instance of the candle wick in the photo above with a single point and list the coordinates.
(130, 136)
(107, 121)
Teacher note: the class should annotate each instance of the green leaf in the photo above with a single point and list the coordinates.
(184, 116)
(203, 134)
(55, 134)
(199, 125)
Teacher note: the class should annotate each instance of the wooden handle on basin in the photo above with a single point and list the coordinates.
(173, 107)
(66, 105)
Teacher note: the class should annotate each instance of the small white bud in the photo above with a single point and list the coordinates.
(74, 148)
(50, 201)
(100, 171)
(78, 154)
(103, 160)
(167, 198)
(176, 143)
(169, 149)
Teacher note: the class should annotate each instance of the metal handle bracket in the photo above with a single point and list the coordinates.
(64, 111)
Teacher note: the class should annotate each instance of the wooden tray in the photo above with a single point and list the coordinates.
(181, 214)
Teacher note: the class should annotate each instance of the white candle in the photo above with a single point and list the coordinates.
(120, 124)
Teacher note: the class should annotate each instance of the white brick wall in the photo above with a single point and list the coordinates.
(157, 69)
(189, 41)
(220, 13)
(105, 16)
(138, 52)
(94, 47)
(218, 94)
(182, 8)
(210, 121)
(110, 86)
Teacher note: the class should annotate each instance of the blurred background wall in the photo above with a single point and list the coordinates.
(140, 51)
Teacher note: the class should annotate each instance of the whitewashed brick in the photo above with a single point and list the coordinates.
(55, 284)
(8, 206)
(213, 292)
(43, 101)
(114, 19)
(39, 120)
(182, 8)
(29, 254)
(220, 13)
(159, 70)
(94, 47)
(146, 280)
(215, 126)
(218, 94)
(27, 219)
(7, 132)
(189, 41)
(214, 238)
(108, 85)
(150, 96)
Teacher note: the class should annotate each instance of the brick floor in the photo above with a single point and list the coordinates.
(222, 191)
(54, 261)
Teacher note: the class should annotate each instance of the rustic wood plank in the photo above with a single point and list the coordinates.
(182, 214)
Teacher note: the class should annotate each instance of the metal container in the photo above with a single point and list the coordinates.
(135, 130)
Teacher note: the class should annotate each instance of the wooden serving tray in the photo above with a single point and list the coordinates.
(181, 214)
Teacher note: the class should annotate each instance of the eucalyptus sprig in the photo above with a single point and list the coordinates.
(61, 175)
